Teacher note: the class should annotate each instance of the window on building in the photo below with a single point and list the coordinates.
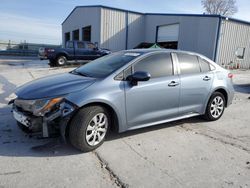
(188, 63)
(86, 33)
(205, 66)
(157, 65)
(240, 52)
(76, 34)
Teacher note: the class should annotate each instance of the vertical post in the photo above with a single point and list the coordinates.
(156, 34)
(126, 42)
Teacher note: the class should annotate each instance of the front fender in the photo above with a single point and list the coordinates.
(112, 96)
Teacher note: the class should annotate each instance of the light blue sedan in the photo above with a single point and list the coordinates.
(123, 91)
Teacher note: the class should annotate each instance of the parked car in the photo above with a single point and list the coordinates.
(125, 90)
(74, 50)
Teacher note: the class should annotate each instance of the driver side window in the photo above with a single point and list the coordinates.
(157, 65)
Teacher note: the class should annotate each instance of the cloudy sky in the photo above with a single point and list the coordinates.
(40, 21)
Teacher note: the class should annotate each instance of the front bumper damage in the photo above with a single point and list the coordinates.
(53, 121)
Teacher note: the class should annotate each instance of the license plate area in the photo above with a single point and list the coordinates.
(21, 118)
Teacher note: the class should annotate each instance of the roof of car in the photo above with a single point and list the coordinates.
(149, 50)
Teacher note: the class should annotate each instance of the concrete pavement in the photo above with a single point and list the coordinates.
(187, 153)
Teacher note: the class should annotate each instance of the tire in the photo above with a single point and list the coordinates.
(84, 132)
(215, 107)
(52, 63)
(61, 61)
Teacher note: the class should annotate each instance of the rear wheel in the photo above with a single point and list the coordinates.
(89, 127)
(215, 107)
(61, 61)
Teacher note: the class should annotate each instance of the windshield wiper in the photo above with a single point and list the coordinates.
(80, 73)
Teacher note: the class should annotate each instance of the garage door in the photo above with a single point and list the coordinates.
(168, 33)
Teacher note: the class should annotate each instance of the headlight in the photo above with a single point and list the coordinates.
(38, 107)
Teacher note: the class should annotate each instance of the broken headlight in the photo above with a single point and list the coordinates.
(38, 107)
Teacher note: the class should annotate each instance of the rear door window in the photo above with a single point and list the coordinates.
(205, 66)
(157, 65)
(188, 63)
(80, 45)
(90, 45)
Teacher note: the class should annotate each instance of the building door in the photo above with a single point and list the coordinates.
(167, 36)
(86, 33)
(76, 34)
(66, 37)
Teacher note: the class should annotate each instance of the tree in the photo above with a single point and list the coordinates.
(222, 7)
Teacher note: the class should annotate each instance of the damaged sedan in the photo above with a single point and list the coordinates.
(123, 91)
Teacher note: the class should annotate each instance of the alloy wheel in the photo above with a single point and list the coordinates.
(217, 106)
(96, 129)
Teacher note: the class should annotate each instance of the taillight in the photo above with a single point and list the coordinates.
(230, 75)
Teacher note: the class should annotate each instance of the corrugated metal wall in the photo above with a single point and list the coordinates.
(80, 18)
(232, 36)
(197, 34)
(118, 26)
(113, 29)
(136, 28)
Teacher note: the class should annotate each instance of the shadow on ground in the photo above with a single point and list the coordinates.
(14, 142)
(242, 88)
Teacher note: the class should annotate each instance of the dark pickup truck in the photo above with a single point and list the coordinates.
(74, 51)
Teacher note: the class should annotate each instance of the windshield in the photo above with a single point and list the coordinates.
(102, 67)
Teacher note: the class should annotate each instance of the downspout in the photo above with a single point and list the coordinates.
(217, 40)
(126, 42)
(156, 34)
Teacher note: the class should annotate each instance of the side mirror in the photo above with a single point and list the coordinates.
(138, 76)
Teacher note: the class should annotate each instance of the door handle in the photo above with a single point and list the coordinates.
(173, 84)
(206, 78)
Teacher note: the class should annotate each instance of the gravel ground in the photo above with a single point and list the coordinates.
(186, 153)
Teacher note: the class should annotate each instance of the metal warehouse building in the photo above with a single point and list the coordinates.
(225, 40)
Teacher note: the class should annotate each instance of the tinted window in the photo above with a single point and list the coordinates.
(106, 65)
(80, 45)
(188, 63)
(90, 45)
(70, 45)
(205, 67)
(157, 65)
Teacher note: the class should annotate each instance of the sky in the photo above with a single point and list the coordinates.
(39, 21)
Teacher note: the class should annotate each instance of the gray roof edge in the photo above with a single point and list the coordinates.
(158, 14)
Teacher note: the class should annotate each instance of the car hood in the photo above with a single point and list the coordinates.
(55, 85)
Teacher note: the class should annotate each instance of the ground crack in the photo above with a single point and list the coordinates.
(218, 139)
(112, 175)
(153, 163)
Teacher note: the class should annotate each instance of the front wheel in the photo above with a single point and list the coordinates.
(61, 61)
(89, 127)
(215, 107)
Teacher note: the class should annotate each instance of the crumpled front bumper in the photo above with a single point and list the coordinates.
(55, 120)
